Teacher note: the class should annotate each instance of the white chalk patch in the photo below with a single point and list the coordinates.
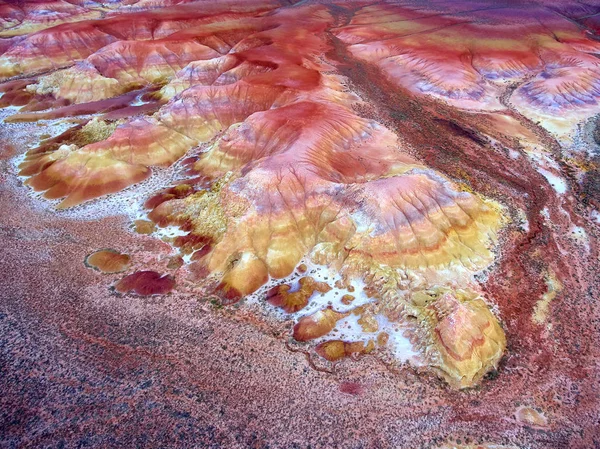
(347, 329)
(544, 165)
(578, 234)
(138, 100)
(169, 232)
(514, 154)
(557, 183)
(545, 212)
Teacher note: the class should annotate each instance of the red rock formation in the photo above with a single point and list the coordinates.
(145, 283)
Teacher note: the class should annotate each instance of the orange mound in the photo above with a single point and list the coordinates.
(144, 226)
(317, 325)
(108, 261)
(335, 350)
(291, 302)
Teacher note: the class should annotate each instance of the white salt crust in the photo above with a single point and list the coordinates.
(347, 328)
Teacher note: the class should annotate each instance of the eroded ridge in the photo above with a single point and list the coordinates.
(281, 170)
(468, 57)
